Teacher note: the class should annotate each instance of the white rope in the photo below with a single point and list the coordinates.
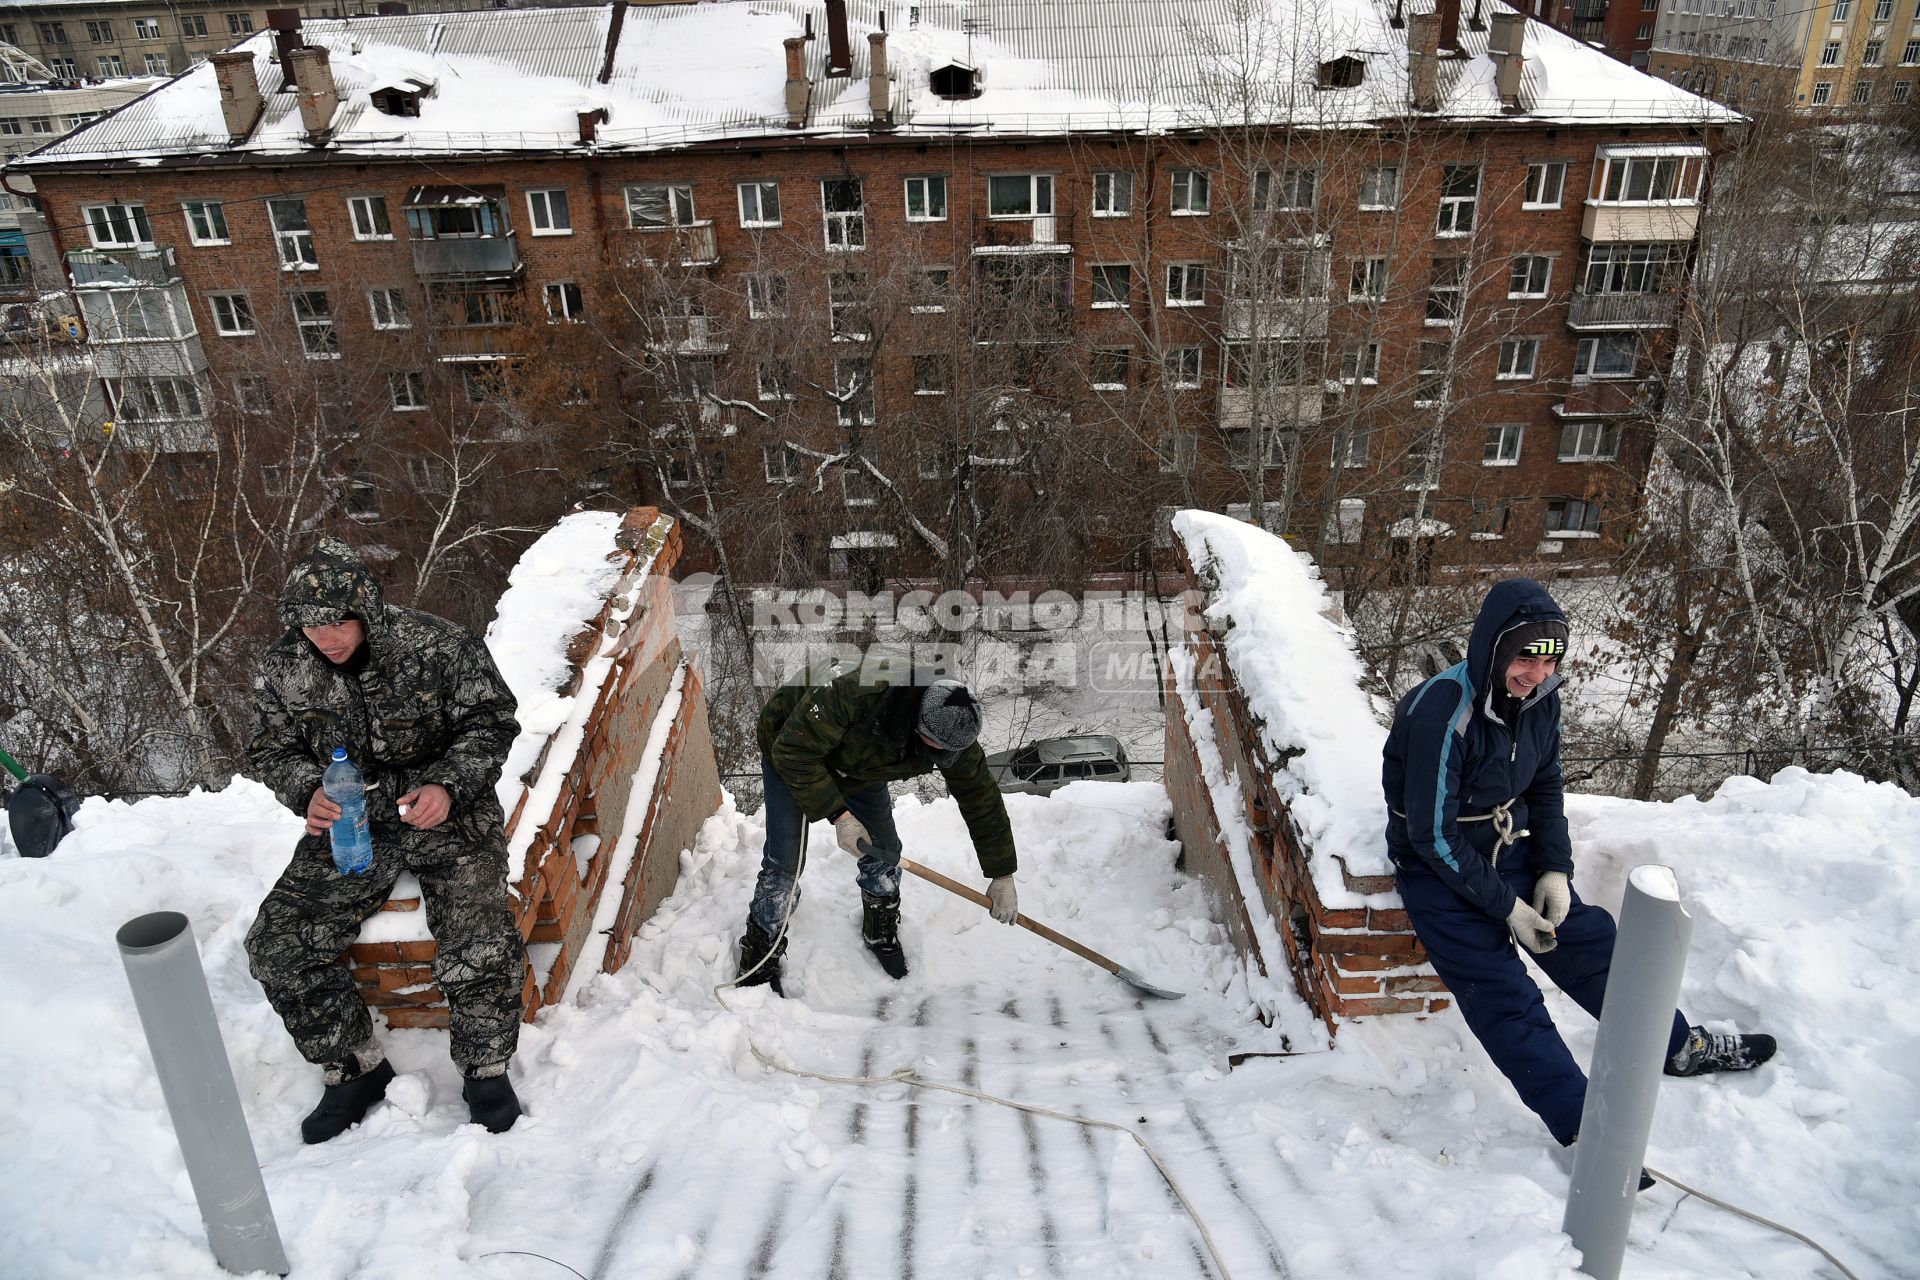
(1751, 1216)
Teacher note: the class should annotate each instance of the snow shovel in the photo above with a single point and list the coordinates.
(1119, 971)
(40, 810)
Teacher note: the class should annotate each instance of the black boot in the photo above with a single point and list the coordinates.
(491, 1102)
(880, 927)
(1646, 1179)
(760, 960)
(1705, 1053)
(343, 1105)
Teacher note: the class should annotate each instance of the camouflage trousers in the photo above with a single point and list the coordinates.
(314, 913)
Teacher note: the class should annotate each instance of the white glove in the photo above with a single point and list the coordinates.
(1553, 896)
(1006, 904)
(850, 833)
(1531, 929)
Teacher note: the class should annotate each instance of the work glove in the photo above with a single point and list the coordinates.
(1005, 903)
(1531, 929)
(850, 832)
(1553, 896)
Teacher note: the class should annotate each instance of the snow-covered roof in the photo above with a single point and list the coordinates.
(516, 80)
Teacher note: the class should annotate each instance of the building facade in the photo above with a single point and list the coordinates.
(1832, 57)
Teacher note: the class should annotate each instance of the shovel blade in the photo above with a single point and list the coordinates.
(1141, 985)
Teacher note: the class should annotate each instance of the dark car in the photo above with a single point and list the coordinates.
(1043, 767)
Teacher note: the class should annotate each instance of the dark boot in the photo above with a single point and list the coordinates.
(491, 1102)
(1646, 1179)
(345, 1104)
(880, 927)
(1705, 1053)
(760, 960)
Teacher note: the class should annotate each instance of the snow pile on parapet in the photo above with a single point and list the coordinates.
(1303, 682)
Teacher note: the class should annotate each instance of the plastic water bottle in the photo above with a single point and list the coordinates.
(352, 846)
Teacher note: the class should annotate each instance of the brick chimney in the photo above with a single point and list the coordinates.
(285, 25)
(798, 89)
(1507, 45)
(1423, 61)
(839, 52)
(879, 91)
(240, 100)
(319, 99)
(1448, 12)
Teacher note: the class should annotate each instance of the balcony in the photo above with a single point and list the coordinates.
(1623, 310)
(691, 245)
(1607, 398)
(1274, 318)
(1048, 233)
(143, 266)
(479, 258)
(691, 336)
(1611, 223)
(1284, 407)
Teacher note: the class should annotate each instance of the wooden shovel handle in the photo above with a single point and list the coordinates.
(1034, 926)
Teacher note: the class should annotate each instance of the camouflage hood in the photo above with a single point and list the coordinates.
(329, 585)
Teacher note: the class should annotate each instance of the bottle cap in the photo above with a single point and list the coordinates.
(339, 753)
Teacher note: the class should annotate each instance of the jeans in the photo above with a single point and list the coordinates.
(777, 892)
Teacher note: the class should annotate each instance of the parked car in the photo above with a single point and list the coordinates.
(1043, 767)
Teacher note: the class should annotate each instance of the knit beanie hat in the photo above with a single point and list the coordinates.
(1529, 639)
(950, 716)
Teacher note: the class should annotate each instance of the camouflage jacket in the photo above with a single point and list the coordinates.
(427, 705)
(828, 736)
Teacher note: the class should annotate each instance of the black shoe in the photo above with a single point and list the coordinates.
(1646, 1179)
(1706, 1052)
(880, 928)
(760, 960)
(345, 1104)
(491, 1102)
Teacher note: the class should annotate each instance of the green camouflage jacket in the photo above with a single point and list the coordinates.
(827, 735)
(427, 705)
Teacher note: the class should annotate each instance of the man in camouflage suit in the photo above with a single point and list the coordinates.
(424, 714)
(829, 744)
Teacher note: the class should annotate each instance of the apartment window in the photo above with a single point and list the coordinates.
(1177, 453)
(773, 380)
(313, 313)
(849, 318)
(40, 124)
(1822, 92)
(1546, 182)
(483, 382)
(660, 204)
(1192, 193)
(370, 221)
(11, 127)
(146, 28)
(239, 24)
(1634, 268)
(1643, 32)
(1589, 442)
(1910, 53)
(1902, 89)
(1347, 523)
(1020, 195)
(1447, 294)
(1270, 363)
(130, 315)
(1648, 179)
(207, 222)
(853, 392)
(1360, 363)
(193, 26)
(1112, 284)
(111, 65)
(1349, 448)
(547, 212)
(478, 308)
(1502, 448)
(1862, 92)
(159, 399)
(389, 307)
(1830, 54)
(1519, 357)
(932, 288)
(1872, 52)
(1380, 187)
(1609, 355)
(232, 314)
(1459, 199)
(53, 33)
(1288, 189)
(1186, 284)
(931, 376)
(1112, 193)
(1240, 448)
(1181, 370)
(1883, 10)
(1368, 281)
(118, 226)
(1431, 386)
(1567, 516)
(100, 32)
(846, 217)
(253, 394)
(156, 64)
(759, 203)
(1529, 276)
(1109, 368)
(564, 301)
(67, 69)
(927, 199)
(293, 235)
(767, 295)
(782, 463)
(407, 390)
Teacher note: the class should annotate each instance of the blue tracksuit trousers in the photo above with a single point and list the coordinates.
(1476, 956)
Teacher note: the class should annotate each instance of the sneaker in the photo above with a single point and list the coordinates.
(1707, 1052)
(491, 1102)
(345, 1104)
(880, 929)
(760, 960)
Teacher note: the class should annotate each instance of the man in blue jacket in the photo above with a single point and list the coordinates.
(1478, 833)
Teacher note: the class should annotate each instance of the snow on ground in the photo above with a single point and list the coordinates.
(656, 1146)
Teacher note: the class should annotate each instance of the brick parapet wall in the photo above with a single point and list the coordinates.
(558, 895)
(1347, 962)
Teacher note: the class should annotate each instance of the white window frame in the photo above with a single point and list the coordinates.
(1519, 359)
(1589, 514)
(932, 300)
(1354, 455)
(1830, 54)
(211, 213)
(932, 189)
(679, 207)
(366, 214)
(328, 324)
(146, 28)
(1367, 280)
(1095, 274)
(227, 319)
(1113, 193)
(294, 244)
(1040, 192)
(1589, 440)
(572, 308)
(937, 362)
(750, 199)
(845, 230)
(1546, 185)
(1688, 174)
(1519, 288)
(406, 390)
(1502, 446)
(777, 388)
(765, 300)
(1190, 193)
(389, 309)
(156, 64)
(125, 226)
(1822, 93)
(1586, 354)
(1458, 209)
(789, 459)
(1126, 368)
(1186, 284)
(1182, 377)
(541, 208)
(1364, 358)
(1370, 182)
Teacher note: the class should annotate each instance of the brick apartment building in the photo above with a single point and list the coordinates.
(1623, 29)
(1413, 295)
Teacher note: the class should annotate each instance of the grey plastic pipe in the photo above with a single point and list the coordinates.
(1642, 989)
(176, 1010)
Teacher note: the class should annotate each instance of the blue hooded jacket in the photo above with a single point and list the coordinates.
(1450, 755)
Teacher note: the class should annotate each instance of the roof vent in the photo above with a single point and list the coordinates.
(1344, 72)
(955, 81)
(402, 99)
